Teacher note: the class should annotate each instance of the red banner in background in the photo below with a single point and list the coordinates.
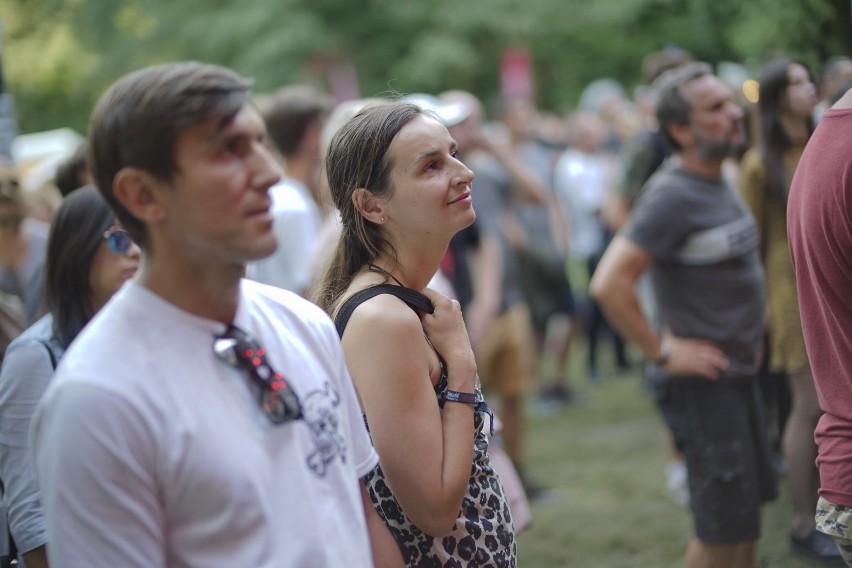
(516, 74)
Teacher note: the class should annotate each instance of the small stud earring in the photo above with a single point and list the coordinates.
(382, 219)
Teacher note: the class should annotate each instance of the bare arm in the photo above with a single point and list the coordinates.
(526, 185)
(386, 552)
(36, 558)
(425, 454)
(614, 288)
(486, 281)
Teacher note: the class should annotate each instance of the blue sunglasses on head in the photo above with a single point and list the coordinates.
(118, 239)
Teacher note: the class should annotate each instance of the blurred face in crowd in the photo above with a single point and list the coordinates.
(115, 262)
(800, 96)
(10, 216)
(519, 118)
(715, 119)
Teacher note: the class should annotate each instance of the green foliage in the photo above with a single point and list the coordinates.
(61, 54)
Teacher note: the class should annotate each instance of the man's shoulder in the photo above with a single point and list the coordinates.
(666, 185)
(284, 303)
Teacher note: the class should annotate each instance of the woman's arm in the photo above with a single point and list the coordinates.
(386, 553)
(24, 377)
(425, 454)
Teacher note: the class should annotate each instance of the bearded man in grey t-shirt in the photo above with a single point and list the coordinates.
(700, 244)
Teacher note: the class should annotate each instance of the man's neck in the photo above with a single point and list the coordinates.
(692, 163)
(204, 291)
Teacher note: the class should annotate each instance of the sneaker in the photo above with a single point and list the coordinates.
(817, 547)
(559, 395)
(676, 482)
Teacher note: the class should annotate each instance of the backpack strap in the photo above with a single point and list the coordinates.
(50, 352)
(414, 299)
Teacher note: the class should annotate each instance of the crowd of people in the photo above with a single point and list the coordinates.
(277, 330)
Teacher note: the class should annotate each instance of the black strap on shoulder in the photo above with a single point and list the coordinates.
(50, 353)
(414, 299)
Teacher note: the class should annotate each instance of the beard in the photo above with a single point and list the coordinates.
(710, 150)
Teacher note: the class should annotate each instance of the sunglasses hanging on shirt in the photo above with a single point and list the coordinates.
(277, 399)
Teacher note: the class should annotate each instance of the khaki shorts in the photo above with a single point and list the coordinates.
(836, 522)
(506, 357)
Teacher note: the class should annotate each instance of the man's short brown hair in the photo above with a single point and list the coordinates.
(137, 121)
(672, 106)
(290, 111)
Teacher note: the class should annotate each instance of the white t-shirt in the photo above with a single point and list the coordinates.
(297, 225)
(150, 451)
(581, 182)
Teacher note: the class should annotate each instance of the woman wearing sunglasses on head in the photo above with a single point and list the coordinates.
(89, 257)
(402, 194)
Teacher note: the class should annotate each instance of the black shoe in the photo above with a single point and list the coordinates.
(817, 547)
(556, 393)
(532, 487)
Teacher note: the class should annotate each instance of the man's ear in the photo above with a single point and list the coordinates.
(369, 206)
(140, 193)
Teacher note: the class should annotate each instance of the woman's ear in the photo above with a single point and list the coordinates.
(369, 206)
(140, 193)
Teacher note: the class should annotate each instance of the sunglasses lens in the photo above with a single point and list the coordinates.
(119, 242)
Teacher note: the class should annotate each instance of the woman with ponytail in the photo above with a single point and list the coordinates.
(402, 194)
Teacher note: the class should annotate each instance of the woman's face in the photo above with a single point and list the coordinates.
(800, 95)
(115, 262)
(431, 187)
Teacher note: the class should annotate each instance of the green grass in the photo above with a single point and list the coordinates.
(605, 459)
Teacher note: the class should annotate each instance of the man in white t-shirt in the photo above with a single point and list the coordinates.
(294, 117)
(200, 419)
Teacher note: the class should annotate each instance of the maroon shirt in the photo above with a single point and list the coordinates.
(819, 225)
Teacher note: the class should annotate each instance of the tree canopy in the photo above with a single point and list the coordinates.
(59, 55)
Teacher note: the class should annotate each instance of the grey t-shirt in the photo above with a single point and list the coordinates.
(706, 272)
(492, 194)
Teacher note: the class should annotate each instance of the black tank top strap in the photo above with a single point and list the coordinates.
(414, 299)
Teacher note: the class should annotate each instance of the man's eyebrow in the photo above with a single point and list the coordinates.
(220, 130)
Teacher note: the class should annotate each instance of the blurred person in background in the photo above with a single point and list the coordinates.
(89, 257)
(835, 73)
(537, 233)
(692, 233)
(72, 173)
(584, 175)
(784, 124)
(294, 117)
(23, 242)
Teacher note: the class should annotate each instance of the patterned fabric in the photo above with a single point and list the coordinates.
(836, 521)
(787, 342)
(483, 535)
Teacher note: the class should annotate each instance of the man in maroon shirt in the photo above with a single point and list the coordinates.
(819, 225)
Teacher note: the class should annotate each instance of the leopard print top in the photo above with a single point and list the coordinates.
(483, 535)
